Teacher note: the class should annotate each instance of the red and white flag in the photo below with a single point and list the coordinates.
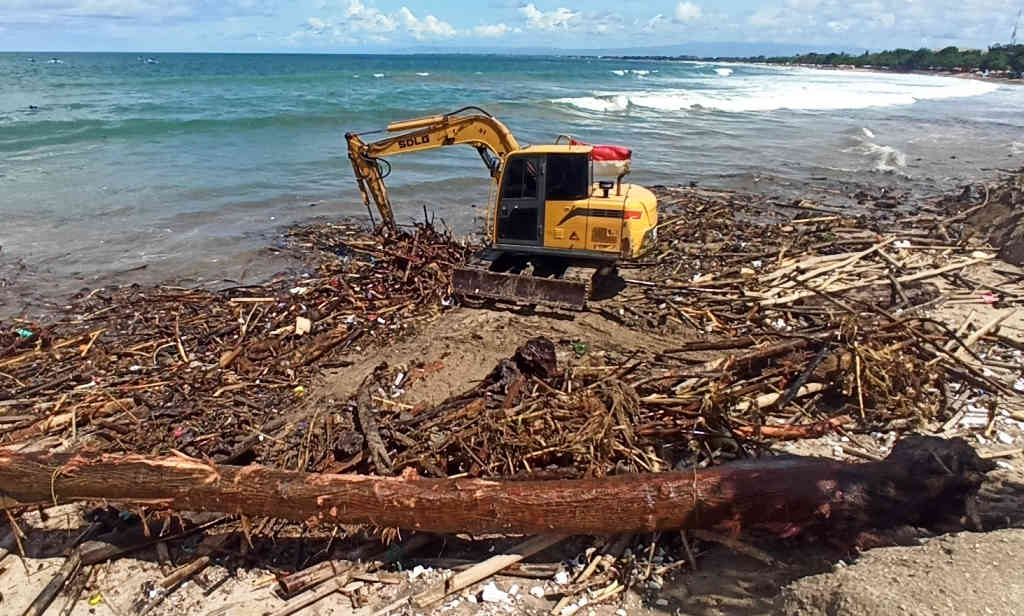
(609, 160)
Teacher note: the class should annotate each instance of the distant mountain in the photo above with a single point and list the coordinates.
(698, 49)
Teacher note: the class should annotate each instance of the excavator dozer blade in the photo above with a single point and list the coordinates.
(473, 282)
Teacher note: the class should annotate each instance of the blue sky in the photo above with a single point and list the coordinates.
(383, 25)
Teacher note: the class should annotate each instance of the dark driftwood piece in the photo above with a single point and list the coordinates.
(923, 480)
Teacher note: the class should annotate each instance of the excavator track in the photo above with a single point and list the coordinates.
(521, 288)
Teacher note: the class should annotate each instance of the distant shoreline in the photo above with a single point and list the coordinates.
(965, 74)
(890, 71)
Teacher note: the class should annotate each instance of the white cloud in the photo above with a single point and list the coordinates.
(368, 19)
(491, 30)
(316, 24)
(558, 19)
(655, 23)
(885, 20)
(429, 27)
(687, 11)
(361, 22)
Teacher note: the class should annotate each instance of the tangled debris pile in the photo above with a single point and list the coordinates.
(781, 329)
(155, 369)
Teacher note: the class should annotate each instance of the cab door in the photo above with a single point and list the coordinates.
(567, 191)
(521, 203)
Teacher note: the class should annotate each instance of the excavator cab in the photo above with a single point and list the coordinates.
(549, 204)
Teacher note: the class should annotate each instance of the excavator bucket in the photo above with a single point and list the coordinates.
(472, 282)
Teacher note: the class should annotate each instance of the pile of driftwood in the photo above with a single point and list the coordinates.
(716, 272)
(151, 369)
(792, 330)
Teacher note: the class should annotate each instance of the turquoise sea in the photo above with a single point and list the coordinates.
(188, 163)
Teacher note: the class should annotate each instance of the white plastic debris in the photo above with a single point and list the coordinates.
(416, 572)
(901, 244)
(298, 290)
(562, 578)
(302, 326)
(975, 417)
(513, 590)
(661, 602)
(492, 594)
(1019, 385)
(1004, 437)
(570, 609)
(537, 591)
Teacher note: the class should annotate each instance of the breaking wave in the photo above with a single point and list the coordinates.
(724, 72)
(596, 103)
(816, 93)
(882, 158)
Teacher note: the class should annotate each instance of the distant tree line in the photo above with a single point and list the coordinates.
(998, 58)
(1007, 59)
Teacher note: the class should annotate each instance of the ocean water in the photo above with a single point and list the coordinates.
(188, 163)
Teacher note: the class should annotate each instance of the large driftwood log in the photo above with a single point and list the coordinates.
(923, 480)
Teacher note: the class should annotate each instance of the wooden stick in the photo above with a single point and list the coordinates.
(312, 596)
(766, 400)
(986, 328)
(1006, 453)
(485, 569)
(183, 573)
(65, 574)
(791, 433)
(736, 546)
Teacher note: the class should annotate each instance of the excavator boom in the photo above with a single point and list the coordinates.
(481, 130)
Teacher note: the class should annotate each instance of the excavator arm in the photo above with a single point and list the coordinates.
(481, 130)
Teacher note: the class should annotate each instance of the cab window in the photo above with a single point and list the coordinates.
(568, 177)
(520, 179)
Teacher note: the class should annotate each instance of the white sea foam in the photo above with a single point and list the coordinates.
(594, 103)
(1017, 148)
(639, 72)
(724, 72)
(817, 91)
(423, 74)
(378, 75)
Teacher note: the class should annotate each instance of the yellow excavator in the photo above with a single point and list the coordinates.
(546, 210)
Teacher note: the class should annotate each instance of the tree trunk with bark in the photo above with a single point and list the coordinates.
(924, 480)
